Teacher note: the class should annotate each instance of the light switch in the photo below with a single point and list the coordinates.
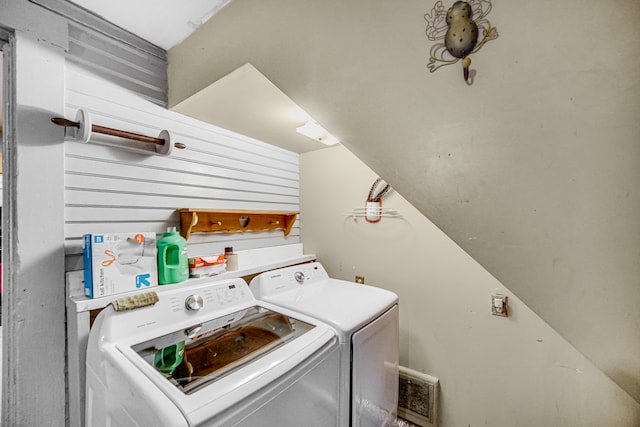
(499, 305)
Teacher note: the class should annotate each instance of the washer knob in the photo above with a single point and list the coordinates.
(299, 276)
(194, 302)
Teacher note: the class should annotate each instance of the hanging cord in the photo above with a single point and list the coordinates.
(378, 189)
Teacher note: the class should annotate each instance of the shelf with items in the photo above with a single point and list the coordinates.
(233, 221)
(78, 302)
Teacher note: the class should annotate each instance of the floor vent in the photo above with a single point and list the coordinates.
(418, 397)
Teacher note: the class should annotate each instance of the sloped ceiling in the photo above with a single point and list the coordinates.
(533, 169)
(164, 23)
(245, 101)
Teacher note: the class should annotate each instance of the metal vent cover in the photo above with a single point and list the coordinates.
(417, 397)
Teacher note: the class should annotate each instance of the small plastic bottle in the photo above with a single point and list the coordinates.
(232, 259)
(173, 262)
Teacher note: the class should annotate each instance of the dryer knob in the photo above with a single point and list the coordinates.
(194, 302)
(299, 276)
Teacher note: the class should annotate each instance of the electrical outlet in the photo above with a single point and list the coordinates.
(360, 279)
(499, 305)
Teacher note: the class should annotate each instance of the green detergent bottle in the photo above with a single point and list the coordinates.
(173, 262)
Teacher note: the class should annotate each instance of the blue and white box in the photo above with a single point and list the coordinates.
(119, 262)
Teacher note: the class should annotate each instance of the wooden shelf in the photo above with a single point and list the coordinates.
(233, 221)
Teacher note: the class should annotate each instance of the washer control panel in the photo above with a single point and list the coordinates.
(202, 300)
(209, 297)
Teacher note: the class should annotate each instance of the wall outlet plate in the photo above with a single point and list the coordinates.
(499, 305)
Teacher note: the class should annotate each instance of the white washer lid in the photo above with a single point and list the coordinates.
(346, 306)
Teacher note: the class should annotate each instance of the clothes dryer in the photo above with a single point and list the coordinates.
(366, 319)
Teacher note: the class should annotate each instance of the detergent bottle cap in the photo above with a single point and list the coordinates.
(171, 231)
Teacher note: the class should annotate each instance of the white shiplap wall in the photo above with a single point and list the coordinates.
(109, 189)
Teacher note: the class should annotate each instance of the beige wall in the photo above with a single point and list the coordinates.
(494, 371)
(533, 169)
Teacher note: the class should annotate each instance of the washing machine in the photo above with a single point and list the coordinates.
(210, 354)
(366, 319)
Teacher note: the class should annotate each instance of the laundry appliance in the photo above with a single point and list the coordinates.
(366, 319)
(207, 353)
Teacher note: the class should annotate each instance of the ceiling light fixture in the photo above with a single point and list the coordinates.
(316, 132)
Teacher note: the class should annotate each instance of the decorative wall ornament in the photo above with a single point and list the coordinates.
(373, 211)
(460, 31)
(373, 207)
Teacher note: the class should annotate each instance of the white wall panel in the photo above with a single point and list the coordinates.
(85, 165)
(112, 52)
(110, 189)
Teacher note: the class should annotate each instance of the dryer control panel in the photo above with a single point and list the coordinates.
(285, 279)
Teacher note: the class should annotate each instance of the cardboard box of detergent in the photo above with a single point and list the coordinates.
(206, 266)
(119, 262)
